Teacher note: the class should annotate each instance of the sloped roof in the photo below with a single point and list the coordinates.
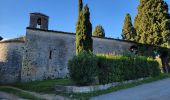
(19, 39)
(38, 13)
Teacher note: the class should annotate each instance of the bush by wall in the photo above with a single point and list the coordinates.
(119, 68)
(83, 68)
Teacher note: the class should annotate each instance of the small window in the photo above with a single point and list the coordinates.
(50, 55)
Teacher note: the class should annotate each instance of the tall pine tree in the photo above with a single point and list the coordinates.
(84, 40)
(99, 31)
(152, 22)
(128, 31)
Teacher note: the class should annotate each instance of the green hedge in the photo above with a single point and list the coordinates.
(85, 68)
(121, 68)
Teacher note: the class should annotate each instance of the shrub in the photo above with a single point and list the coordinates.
(83, 68)
(154, 67)
(120, 68)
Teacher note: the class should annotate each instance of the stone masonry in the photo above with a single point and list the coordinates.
(10, 62)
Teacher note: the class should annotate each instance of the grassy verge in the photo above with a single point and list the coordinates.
(18, 93)
(46, 86)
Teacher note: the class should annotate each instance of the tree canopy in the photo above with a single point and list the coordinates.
(152, 22)
(128, 31)
(99, 31)
(80, 5)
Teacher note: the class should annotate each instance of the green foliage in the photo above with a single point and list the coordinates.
(1, 38)
(99, 31)
(111, 68)
(88, 29)
(84, 40)
(121, 68)
(128, 31)
(80, 5)
(83, 68)
(158, 59)
(161, 53)
(154, 66)
(152, 22)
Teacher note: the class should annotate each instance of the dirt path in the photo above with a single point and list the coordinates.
(159, 90)
(38, 95)
(6, 96)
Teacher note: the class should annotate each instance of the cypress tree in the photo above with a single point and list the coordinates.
(84, 40)
(79, 33)
(152, 22)
(128, 31)
(99, 31)
(88, 29)
(80, 5)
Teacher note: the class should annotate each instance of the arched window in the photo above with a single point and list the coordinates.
(39, 23)
(134, 49)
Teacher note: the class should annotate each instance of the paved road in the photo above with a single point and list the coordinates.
(159, 90)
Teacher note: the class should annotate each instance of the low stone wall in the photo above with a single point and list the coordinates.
(88, 89)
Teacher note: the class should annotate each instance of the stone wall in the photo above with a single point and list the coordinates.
(47, 53)
(110, 46)
(10, 62)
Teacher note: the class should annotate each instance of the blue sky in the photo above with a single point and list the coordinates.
(14, 14)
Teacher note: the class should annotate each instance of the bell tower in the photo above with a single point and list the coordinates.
(39, 20)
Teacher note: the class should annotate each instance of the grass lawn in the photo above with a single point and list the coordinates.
(47, 87)
(37, 86)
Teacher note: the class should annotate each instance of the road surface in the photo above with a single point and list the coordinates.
(159, 90)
